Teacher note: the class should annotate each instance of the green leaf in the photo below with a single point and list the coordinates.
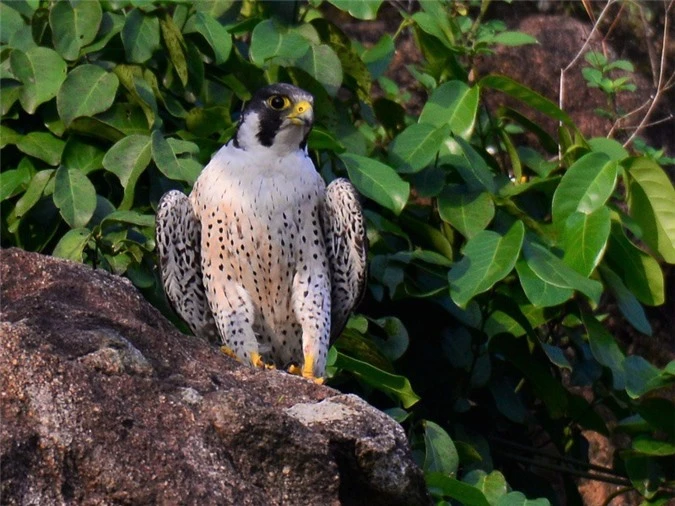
(472, 167)
(75, 197)
(269, 41)
(358, 8)
(32, 194)
(140, 36)
(645, 474)
(87, 90)
(127, 159)
(639, 271)
(131, 218)
(81, 155)
(175, 44)
(488, 258)
(172, 166)
(398, 386)
(605, 349)
(377, 181)
(215, 34)
(10, 22)
(539, 292)
(71, 245)
(585, 187)
(323, 64)
(509, 38)
(416, 147)
(378, 57)
(441, 454)
(650, 199)
(585, 238)
(8, 136)
(74, 25)
(42, 71)
(396, 342)
(519, 499)
(527, 95)
(492, 485)
(613, 149)
(642, 377)
(467, 211)
(443, 485)
(551, 269)
(545, 386)
(455, 104)
(111, 24)
(42, 145)
(628, 304)
(14, 181)
(119, 120)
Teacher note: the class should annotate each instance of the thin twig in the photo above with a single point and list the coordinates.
(561, 93)
(659, 85)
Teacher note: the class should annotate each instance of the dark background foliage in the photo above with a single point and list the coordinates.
(498, 247)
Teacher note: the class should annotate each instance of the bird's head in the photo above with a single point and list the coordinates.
(278, 117)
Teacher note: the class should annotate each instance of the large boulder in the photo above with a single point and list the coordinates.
(104, 402)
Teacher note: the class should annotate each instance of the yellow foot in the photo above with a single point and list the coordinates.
(228, 351)
(308, 370)
(257, 361)
(294, 370)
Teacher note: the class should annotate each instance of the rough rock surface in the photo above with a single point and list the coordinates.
(104, 402)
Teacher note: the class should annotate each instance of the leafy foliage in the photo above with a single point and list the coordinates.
(496, 258)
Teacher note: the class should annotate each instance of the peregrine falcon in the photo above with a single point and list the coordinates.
(262, 257)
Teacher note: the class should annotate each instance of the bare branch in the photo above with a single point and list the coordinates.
(660, 83)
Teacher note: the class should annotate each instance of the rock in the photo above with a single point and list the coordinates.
(104, 402)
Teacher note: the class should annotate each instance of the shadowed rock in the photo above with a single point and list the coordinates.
(104, 402)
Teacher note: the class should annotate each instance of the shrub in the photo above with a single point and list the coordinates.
(491, 263)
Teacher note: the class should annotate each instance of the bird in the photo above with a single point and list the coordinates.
(263, 258)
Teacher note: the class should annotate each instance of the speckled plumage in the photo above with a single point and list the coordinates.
(262, 248)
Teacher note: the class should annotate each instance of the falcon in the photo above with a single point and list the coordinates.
(263, 258)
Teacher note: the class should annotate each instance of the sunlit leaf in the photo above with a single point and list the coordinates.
(584, 239)
(585, 187)
(416, 147)
(358, 8)
(397, 386)
(467, 211)
(215, 34)
(72, 244)
(551, 269)
(488, 258)
(650, 198)
(639, 271)
(446, 486)
(377, 181)
(452, 103)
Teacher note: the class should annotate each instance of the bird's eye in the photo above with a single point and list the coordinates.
(278, 102)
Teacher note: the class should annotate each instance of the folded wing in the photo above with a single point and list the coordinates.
(346, 248)
(179, 244)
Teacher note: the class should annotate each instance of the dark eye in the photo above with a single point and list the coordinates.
(278, 102)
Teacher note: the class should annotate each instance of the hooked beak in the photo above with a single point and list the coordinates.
(302, 114)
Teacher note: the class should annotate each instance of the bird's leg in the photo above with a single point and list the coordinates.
(233, 312)
(312, 309)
